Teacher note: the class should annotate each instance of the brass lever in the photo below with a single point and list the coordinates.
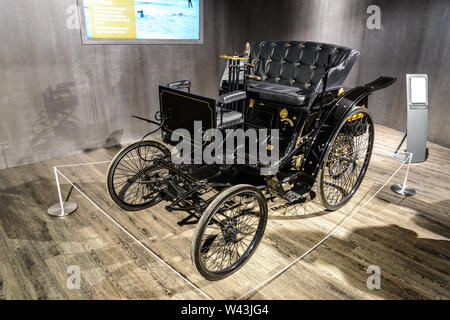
(247, 49)
(234, 57)
(254, 77)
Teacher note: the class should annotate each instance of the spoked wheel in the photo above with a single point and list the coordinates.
(346, 160)
(135, 179)
(229, 231)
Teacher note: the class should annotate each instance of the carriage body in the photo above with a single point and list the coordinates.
(324, 137)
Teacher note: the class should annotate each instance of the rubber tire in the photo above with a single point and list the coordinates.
(320, 188)
(204, 221)
(112, 167)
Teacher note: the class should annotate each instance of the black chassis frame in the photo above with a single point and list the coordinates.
(188, 183)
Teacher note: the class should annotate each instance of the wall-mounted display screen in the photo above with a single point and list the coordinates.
(141, 21)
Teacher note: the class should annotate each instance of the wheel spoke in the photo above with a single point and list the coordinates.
(347, 161)
(135, 180)
(231, 232)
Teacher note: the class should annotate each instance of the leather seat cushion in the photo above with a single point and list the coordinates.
(277, 93)
(229, 116)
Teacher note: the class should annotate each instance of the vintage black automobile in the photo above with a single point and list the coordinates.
(326, 136)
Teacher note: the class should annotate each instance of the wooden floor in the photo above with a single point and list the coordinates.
(407, 238)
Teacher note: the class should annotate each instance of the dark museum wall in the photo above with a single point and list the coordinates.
(58, 97)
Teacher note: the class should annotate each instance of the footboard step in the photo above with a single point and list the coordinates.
(292, 196)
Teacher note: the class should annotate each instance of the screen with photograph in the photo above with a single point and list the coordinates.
(142, 20)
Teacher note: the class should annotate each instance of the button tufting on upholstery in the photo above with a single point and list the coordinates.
(298, 64)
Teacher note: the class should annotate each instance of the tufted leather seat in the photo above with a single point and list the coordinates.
(277, 92)
(298, 65)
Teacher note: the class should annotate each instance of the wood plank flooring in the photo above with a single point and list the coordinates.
(407, 238)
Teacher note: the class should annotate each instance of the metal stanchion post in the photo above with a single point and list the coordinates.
(63, 208)
(403, 189)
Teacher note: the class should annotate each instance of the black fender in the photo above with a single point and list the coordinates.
(322, 139)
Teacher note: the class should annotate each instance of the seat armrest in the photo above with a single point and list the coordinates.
(180, 84)
(232, 97)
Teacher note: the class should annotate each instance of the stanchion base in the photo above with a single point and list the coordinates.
(55, 210)
(404, 191)
(400, 156)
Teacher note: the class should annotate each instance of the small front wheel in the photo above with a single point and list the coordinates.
(135, 178)
(229, 231)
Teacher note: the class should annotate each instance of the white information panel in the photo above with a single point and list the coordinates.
(417, 122)
(419, 90)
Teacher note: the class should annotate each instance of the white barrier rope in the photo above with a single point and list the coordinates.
(89, 163)
(81, 164)
(135, 239)
(336, 228)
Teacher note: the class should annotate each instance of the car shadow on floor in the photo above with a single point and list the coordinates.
(411, 267)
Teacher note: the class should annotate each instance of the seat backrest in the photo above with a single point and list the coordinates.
(301, 63)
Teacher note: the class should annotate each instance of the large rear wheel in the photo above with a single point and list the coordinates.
(346, 159)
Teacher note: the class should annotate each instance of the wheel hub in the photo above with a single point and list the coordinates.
(231, 235)
(339, 164)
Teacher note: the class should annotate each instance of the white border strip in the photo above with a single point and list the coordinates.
(336, 228)
(134, 238)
